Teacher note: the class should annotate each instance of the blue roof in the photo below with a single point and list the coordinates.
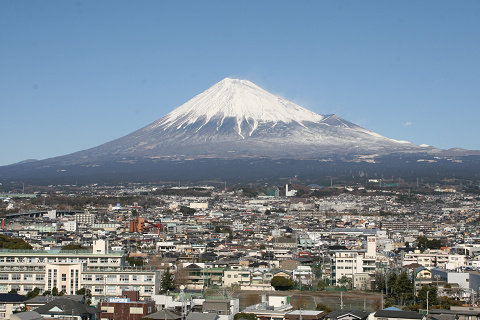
(12, 297)
(392, 309)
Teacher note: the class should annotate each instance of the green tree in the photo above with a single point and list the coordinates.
(13, 243)
(137, 262)
(432, 295)
(446, 302)
(323, 307)
(246, 316)
(187, 211)
(391, 283)
(321, 285)
(425, 243)
(87, 293)
(32, 294)
(281, 283)
(403, 288)
(345, 281)
(167, 283)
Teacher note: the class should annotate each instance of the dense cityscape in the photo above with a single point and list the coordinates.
(143, 251)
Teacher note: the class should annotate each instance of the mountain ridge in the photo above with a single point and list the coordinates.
(238, 118)
(234, 120)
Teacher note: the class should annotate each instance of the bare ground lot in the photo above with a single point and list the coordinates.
(307, 300)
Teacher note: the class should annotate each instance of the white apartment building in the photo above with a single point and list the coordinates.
(303, 274)
(440, 259)
(236, 275)
(102, 271)
(350, 263)
(85, 218)
(70, 226)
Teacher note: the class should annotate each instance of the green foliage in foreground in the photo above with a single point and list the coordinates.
(13, 243)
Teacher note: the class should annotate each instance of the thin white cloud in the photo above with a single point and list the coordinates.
(408, 124)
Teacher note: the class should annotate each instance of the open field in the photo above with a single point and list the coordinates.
(307, 300)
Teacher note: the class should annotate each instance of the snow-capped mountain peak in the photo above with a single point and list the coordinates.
(238, 99)
(236, 118)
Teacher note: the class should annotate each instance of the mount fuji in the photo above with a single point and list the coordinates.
(230, 127)
(236, 118)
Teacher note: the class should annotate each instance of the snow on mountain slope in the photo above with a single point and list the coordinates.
(240, 99)
(236, 118)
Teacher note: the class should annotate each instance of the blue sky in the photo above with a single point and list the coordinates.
(76, 74)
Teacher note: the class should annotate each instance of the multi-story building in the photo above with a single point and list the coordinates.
(103, 272)
(432, 259)
(304, 275)
(70, 226)
(129, 306)
(348, 263)
(236, 275)
(85, 218)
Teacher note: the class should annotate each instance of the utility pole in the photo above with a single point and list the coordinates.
(427, 302)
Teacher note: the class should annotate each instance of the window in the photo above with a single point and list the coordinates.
(149, 278)
(16, 277)
(136, 310)
(104, 260)
(93, 260)
(108, 309)
(148, 289)
(87, 277)
(112, 289)
(28, 277)
(64, 277)
(134, 278)
(99, 277)
(10, 259)
(98, 290)
(3, 276)
(64, 288)
(16, 288)
(124, 277)
(111, 278)
(40, 277)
